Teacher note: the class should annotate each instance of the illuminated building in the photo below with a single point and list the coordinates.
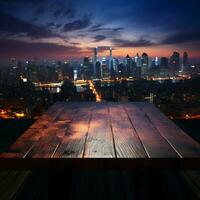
(185, 61)
(137, 60)
(164, 70)
(67, 71)
(156, 61)
(33, 72)
(104, 69)
(110, 59)
(42, 73)
(98, 70)
(174, 62)
(87, 68)
(129, 66)
(164, 62)
(115, 64)
(75, 75)
(111, 70)
(95, 59)
(59, 71)
(144, 65)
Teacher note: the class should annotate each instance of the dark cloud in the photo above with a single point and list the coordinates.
(51, 24)
(63, 12)
(21, 1)
(58, 25)
(59, 11)
(96, 27)
(39, 10)
(15, 26)
(70, 13)
(117, 29)
(34, 49)
(78, 24)
(99, 38)
(34, 19)
(132, 43)
(101, 28)
(182, 37)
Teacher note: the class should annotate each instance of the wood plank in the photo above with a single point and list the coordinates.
(155, 145)
(73, 142)
(127, 142)
(38, 138)
(48, 116)
(52, 137)
(99, 142)
(27, 140)
(182, 142)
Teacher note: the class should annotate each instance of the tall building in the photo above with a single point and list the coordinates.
(98, 70)
(87, 68)
(164, 62)
(110, 59)
(185, 61)
(111, 70)
(144, 65)
(33, 71)
(175, 62)
(105, 73)
(95, 60)
(67, 71)
(115, 65)
(129, 66)
(137, 60)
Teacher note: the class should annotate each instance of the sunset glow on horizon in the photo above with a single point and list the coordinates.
(62, 29)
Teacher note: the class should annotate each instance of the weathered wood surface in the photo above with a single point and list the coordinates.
(103, 130)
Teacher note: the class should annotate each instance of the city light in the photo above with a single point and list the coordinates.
(92, 87)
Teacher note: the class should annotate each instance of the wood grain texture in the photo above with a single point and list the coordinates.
(127, 142)
(181, 142)
(155, 145)
(52, 136)
(103, 130)
(73, 142)
(100, 141)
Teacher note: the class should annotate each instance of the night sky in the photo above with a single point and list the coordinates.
(70, 29)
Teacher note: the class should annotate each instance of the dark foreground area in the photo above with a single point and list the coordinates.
(104, 184)
(100, 185)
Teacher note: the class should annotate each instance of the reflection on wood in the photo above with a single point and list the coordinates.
(103, 130)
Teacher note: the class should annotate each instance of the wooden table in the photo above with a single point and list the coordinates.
(103, 135)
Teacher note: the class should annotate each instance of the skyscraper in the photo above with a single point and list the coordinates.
(87, 68)
(137, 60)
(185, 61)
(144, 65)
(98, 70)
(164, 62)
(129, 66)
(104, 69)
(95, 60)
(111, 63)
(110, 59)
(175, 62)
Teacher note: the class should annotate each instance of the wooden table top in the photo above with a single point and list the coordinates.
(104, 130)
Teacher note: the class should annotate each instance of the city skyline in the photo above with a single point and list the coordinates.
(63, 30)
